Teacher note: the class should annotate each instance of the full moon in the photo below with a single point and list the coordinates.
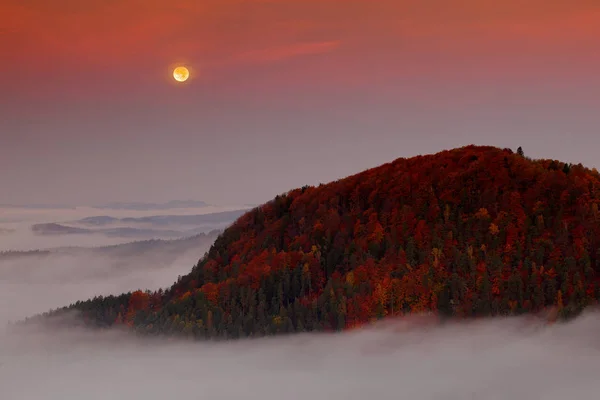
(181, 74)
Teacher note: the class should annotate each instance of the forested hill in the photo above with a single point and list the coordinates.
(474, 231)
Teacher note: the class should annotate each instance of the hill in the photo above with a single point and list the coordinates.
(128, 232)
(155, 226)
(166, 220)
(154, 249)
(469, 232)
(57, 229)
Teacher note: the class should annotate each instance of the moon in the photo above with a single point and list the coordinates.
(181, 74)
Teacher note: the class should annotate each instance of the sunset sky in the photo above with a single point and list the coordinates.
(283, 93)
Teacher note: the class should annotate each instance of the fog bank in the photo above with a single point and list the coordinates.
(496, 359)
(32, 283)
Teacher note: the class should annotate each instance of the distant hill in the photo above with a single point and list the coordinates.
(470, 232)
(57, 229)
(11, 255)
(152, 251)
(157, 226)
(174, 246)
(225, 216)
(123, 232)
(98, 221)
(153, 206)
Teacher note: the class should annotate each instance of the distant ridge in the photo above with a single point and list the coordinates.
(130, 248)
(165, 219)
(155, 226)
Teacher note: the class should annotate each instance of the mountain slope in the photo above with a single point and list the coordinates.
(474, 231)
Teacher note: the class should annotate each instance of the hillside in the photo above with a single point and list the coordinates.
(469, 232)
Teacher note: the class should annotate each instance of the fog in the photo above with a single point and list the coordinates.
(33, 283)
(499, 359)
(411, 358)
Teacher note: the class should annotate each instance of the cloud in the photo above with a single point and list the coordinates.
(121, 33)
(279, 53)
(486, 360)
(59, 278)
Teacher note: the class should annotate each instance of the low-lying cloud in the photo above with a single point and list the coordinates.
(492, 360)
(33, 283)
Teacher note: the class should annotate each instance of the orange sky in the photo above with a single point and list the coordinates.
(344, 41)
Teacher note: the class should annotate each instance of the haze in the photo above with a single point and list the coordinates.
(499, 359)
(31, 284)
